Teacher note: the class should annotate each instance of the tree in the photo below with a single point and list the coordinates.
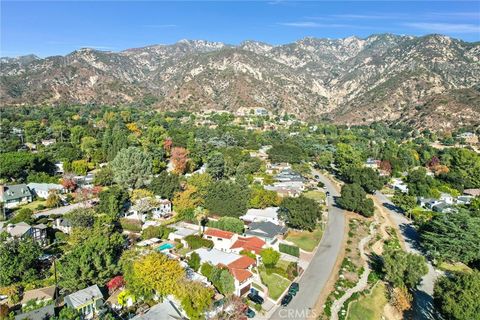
(53, 199)
(270, 257)
(24, 214)
(194, 261)
(453, 237)
(222, 280)
(285, 153)
(456, 296)
(202, 182)
(186, 200)
(93, 261)
(404, 201)
(367, 178)
(179, 159)
(261, 198)
(347, 157)
(153, 273)
(114, 140)
(18, 259)
(195, 298)
(300, 213)
(131, 167)
(68, 313)
(206, 269)
(104, 176)
(324, 160)
(227, 198)
(165, 185)
(216, 165)
(80, 167)
(231, 224)
(89, 146)
(112, 201)
(353, 198)
(81, 218)
(402, 268)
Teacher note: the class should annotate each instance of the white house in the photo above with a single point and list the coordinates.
(447, 198)
(42, 190)
(257, 215)
(222, 240)
(63, 225)
(156, 207)
(181, 232)
(398, 184)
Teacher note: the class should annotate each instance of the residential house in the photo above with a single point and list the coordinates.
(463, 200)
(250, 244)
(89, 301)
(222, 240)
(267, 231)
(48, 142)
(23, 230)
(444, 207)
(398, 184)
(155, 207)
(40, 295)
(15, 194)
(183, 230)
(166, 310)
(63, 224)
(257, 215)
(239, 266)
(472, 192)
(469, 137)
(46, 312)
(447, 198)
(42, 190)
(372, 163)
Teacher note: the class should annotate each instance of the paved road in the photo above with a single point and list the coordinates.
(316, 276)
(62, 210)
(423, 296)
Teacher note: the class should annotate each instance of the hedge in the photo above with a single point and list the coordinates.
(130, 225)
(195, 242)
(288, 249)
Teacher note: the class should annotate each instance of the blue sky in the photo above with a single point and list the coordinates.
(59, 27)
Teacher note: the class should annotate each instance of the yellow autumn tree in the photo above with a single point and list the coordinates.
(186, 200)
(153, 273)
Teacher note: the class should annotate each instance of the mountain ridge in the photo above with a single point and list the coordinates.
(351, 80)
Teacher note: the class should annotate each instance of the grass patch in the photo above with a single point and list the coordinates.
(32, 205)
(315, 195)
(454, 267)
(369, 307)
(275, 284)
(305, 240)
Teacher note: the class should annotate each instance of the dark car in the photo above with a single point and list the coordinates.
(294, 288)
(328, 193)
(255, 298)
(250, 313)
(317, 176)
(286, 300)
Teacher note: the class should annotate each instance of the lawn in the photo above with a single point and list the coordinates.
(369, 307)
(315, 195)
(305, 240)
(454, 267)
(32, 205)
(275, 283)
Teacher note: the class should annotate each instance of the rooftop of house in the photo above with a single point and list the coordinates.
(472, 192)
(44, 186)
(46, 312)
(240, 274)
(242, 262)
(265, 229)
(15, 191)
(213, 232)
(18, 229)
(165, 310)
(215, 256)
(84, 296)
(269, 212)
(249, 243)
(183, 232)
(46, 293)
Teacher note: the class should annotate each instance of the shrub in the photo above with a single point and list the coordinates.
(288, 249)
(131, 225)
(195, 242)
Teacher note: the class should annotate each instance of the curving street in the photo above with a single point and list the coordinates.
(318, 272)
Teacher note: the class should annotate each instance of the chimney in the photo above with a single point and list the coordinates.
(2, 190)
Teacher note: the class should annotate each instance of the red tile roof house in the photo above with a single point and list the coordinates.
(239, 266)
(222, 240)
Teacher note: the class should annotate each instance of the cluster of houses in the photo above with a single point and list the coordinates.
(15, 195)
(287, 182)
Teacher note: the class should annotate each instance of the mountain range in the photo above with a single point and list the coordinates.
(427, 82)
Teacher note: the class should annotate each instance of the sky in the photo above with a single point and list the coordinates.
(60, 27)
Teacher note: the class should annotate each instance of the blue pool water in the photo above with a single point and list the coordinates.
(165, 246)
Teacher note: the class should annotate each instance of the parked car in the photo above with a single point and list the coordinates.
(255, 298)
(327, 193)
(286, 300)
(250, 313)
(294, 288)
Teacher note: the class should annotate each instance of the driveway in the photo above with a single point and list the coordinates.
(318, 272)
(62, 210)
(423, 297)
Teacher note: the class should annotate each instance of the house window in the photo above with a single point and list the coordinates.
(219, 239)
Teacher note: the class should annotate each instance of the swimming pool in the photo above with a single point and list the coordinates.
(165, 246)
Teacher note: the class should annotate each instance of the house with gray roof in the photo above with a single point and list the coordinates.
(89, 301)
(14, 195)
(23, 230)
(266, 230)
(42, 190)
(167, 310)
(46, 312)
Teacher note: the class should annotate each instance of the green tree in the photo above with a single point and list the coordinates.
(195, 298)
(367, 178)
(346, 157)
(227, 198)
(402, 268)
(261, 198)
(104, 177)
(453, 237)
(93, 261)
(194, 261)
(353, 198)
(18, 259)
(270, 257)
(286, 153)
(216, 165)
(404, 201)
(24, 214)
(165, 185)
(112, 201)
(68, 313)
(300, 213)
(456, 296)
(222, 280)
(131, 167)
(231, 224)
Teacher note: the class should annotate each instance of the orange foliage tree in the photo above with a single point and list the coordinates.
(179, 159)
